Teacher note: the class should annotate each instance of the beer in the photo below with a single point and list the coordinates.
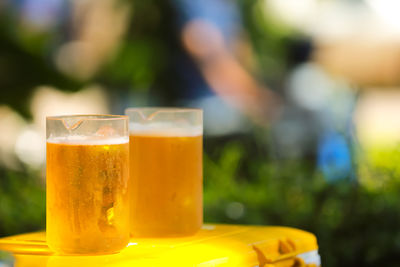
(87, 195)
(166, 181)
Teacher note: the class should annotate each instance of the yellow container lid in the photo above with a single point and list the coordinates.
(214, 245)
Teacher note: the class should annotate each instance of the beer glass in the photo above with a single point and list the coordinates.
(87, 184)
(166, 171)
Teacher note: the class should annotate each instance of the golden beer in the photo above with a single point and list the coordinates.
(88, 196)
(166, 181)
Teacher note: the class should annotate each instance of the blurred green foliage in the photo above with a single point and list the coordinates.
(354, 226)
(22, 202)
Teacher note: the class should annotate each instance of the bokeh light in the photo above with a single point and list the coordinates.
(300, 97)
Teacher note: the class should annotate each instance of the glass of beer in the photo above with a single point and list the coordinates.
(87, 184)
(166, 171)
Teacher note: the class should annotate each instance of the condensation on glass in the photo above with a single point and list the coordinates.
(166, 171)
(87, 184)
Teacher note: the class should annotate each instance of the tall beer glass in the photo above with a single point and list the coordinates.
(166, 171)
(87, 184)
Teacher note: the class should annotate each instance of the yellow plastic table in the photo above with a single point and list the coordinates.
(213, 245)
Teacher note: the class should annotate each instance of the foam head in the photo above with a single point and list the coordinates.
(164, 129)
(88, 140)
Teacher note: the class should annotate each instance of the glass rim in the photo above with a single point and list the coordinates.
(104, 117)
(164, 109)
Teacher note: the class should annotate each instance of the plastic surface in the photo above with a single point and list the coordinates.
(214, 245)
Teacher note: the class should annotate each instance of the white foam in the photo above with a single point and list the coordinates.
(88, 140)
(165, 129)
